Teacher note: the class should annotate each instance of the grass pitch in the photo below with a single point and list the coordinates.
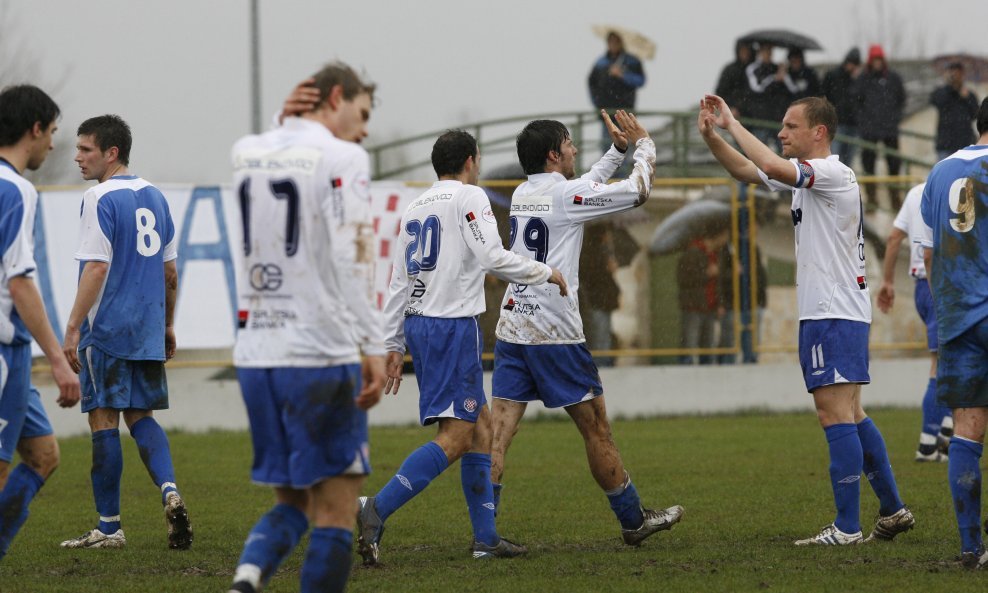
(751, 484)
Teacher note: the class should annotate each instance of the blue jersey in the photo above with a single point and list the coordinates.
(18, 203)
(126, 223)
(955, 207)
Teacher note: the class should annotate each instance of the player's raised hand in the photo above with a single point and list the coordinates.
(632, 128)
(557, 278)
(67, 381)
(705, 119)
(886, 297)
(619, 138)
(393, 367)
(722, 116)
(303, 99)
(372, 369)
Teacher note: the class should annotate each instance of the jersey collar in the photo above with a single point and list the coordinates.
(124, 177)
(446, 183)
(4, 161)
(543, 177)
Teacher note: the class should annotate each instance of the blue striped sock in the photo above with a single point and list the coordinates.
(272, 539)
(327, 562)
(22, 484)
(846, 460)
(878, 469)
(415, 473)
(964, 474)
(106, 473)
(152, 443)
(475, 477)
(626, 504)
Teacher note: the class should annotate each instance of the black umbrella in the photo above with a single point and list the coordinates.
(701, 218)
(781, 38)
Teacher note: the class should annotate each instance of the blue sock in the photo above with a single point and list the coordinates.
(475, 476)
(155, 453)
(415, 473)
(932, 411)
(105, 473)
(496, 491)
(878, 469)
(22, 484)
(964, 473)
(271, 540)
(327, 562)
(626, 504)
(846, 460)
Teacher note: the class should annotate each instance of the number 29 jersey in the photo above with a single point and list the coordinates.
(305, 299)
(547, 217)
(126, 223)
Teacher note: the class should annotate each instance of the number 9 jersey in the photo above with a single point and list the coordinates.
(127, 224)
(305, 291)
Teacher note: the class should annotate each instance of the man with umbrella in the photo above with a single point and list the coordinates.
(832, 295)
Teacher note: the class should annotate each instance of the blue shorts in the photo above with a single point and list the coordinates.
(304, 424)
(833, 351)
(21, 413)
(446, 356)
(559, 375)
(924, 306)
(962, 370)
(121, 384)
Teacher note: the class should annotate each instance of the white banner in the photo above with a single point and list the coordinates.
(208, 226)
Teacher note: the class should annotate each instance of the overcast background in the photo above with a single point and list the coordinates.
(179, 71)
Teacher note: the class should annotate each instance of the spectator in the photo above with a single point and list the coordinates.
(733, 81)
(838, 85)
(800, 80)
(957, 106)
(881, 97)
(769, 97)
(698, 277)
(599, 293)
(614, 80)
(728, 270)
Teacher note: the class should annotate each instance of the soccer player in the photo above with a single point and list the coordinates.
(27, 121)
(306, 318)
(832, 298)
(938, 424)
(953, 207)
(541, 352)
(447, 240)
(120, 330)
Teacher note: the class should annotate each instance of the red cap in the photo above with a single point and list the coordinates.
(875, 51)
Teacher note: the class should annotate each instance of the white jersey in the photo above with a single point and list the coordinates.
(910, 221)
(547, 217)
(830, 258)
(18, 204)
(447, 240)
(304, 295)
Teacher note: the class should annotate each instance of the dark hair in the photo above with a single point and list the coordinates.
(451, 151)
(819, 112)
(21, 107)
(955, 66)
(338, 73)
(109, 131)
(983, 117)
(536, 141)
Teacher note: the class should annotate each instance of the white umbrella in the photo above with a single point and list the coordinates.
(634, 42)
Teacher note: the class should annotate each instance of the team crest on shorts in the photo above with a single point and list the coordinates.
(470, 404)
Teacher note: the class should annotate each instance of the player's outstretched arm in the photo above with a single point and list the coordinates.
(736, 164)
(372, 369)
(762, 156)
(618, 138)
(886, 294)
(30, 307)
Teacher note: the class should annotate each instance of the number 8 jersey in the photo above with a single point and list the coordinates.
(547, 217)
(127, 224)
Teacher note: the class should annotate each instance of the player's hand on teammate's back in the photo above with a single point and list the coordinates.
(303, 99)
(886, 297)
(632, 128)
(373, 375)
(394, 365)
(618, 137)
(170, 344)
(557, 278)
(67, 381)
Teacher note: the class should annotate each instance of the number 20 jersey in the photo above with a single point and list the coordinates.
(127, 224)
(305, 298)
(547, 217)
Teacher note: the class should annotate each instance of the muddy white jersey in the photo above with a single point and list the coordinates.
(909, 220)
(547, 217)
(830, 259)
(304, 294)
(447, 240)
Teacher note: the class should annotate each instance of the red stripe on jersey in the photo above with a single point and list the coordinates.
(393, 202)
(385, 247)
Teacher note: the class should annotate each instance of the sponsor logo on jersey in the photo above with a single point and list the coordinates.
(592, 201)
(471, 217)
(806, 175)
(418, 289)
(578, 200)
(336, 182)
(537, 206)
(510, 305)
(266, 277)
(488, 214)
(426, 200)
(242, 316)
(291, 160)
(529, 309)
(478, 235)
(862, 283)
(597, 186)
(470, 404)
(270, 318)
